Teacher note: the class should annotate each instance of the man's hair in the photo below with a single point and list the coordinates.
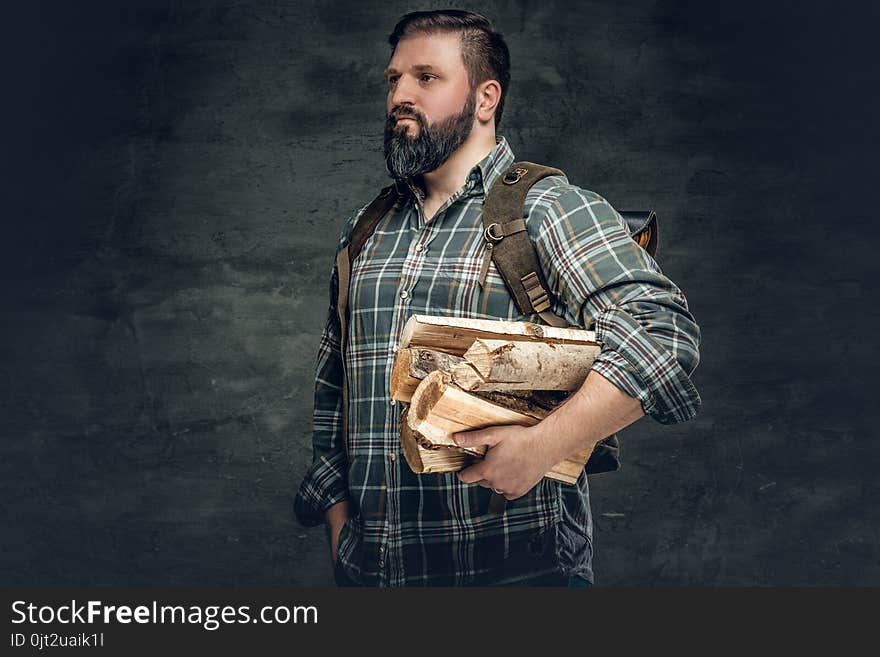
(483, 50)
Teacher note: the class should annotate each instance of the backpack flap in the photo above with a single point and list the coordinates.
(643, 228)
(605, 456)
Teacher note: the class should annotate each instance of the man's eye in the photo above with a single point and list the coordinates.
(424, 77)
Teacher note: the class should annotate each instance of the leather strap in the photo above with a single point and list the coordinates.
(365, 226)
(509, 243)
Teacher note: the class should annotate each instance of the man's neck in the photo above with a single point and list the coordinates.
(444, 181)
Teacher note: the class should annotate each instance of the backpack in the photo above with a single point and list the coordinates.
(509, 246)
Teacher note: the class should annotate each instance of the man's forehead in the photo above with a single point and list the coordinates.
(437, 52)
(418, 68)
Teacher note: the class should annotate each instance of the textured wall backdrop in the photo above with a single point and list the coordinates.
(174, 178)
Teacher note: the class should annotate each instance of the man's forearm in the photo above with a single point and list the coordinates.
(595, 411)
(519, 457)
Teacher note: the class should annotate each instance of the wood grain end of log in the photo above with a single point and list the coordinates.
(466, 377)
(409, 443)
(483, 355)
(403, 384)
(561, 477)
(426, 395)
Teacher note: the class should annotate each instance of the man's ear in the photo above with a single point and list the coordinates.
(488, 95)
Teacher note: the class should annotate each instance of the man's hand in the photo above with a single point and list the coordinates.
(336, 516)
(514, 463)
(518, 457)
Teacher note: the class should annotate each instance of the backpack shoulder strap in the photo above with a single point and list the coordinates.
(366, 224)
(509, 245)
(369, 219)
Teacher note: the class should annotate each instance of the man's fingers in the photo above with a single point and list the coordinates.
(471, 475)
(490, 437)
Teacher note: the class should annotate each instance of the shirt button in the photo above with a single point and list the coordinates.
(395, 348)
(419, 248)
(392, 456)
(393, 402)
(404, 295)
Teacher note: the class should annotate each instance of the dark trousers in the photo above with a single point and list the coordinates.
(549, 579)
(538, 554)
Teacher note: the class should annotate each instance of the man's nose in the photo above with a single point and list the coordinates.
(403, 92)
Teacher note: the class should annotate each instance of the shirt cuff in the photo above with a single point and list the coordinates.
(642, 368)
(323, 486)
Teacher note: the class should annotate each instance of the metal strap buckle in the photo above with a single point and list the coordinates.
(538, 296)
(513, 177)
(540, 302)
(490, 232)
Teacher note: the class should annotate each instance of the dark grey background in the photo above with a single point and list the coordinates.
(174, 178)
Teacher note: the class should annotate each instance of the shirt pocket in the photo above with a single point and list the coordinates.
(455, 284)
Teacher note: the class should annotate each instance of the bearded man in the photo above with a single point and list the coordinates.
(447, 81)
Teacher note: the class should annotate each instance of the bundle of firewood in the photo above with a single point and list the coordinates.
(464, 374)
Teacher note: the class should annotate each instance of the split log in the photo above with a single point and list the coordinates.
(432, 460)
(415, 363)
(466, 377)
(439, 408)
(455, 335)
(509, 365)
(547, 400)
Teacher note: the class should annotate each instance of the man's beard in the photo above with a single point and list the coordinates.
(407, 156)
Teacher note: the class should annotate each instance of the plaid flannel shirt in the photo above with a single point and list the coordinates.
(431, 529)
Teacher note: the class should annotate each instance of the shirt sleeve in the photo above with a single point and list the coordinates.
(605, 281)
(326, 480)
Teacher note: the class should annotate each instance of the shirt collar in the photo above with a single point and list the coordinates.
(480, 178)
(486, 172)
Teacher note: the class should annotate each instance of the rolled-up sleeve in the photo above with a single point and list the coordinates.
(605, 281)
